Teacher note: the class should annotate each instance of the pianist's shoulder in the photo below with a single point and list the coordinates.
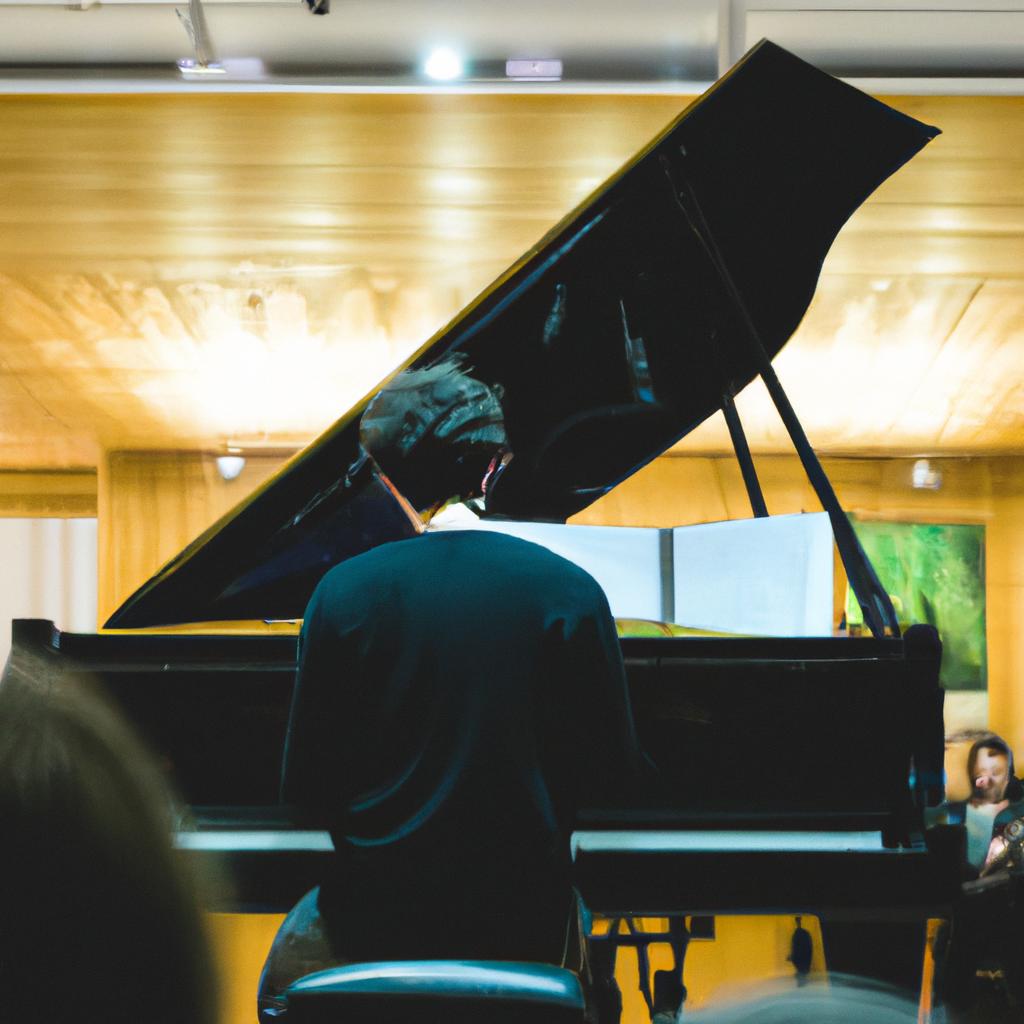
(478, 562)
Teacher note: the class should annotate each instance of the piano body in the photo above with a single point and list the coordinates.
(642, 313)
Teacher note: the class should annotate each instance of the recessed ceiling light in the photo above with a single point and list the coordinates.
(443, 65)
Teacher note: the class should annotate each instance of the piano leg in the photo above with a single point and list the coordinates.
(669, 989)
(936, 939)
(604, 1000)
(666, 1001)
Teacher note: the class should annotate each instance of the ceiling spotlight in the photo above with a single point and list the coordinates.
(443, 65)
(229, 466)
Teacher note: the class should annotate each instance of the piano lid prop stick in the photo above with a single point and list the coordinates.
(879, 613)
(746, 460)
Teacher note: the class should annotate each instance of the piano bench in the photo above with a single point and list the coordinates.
(441, 991)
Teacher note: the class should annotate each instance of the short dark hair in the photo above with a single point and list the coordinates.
(432, 431)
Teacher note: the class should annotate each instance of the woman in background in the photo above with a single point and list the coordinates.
(997, 798)
(99, 920)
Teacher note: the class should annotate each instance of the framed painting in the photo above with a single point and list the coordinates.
(935, 573)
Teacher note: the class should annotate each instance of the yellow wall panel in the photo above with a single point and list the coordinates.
(152, 505)
(240, 945)
(63, 495)
(746, 950)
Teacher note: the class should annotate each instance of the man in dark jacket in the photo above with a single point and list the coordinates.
(460, 695)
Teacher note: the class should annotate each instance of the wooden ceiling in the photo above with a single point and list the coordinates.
(189, 271)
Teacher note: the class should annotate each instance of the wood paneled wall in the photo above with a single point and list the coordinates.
(1005, 596)
(675, 490)
(65, 495)
(672, 491)
(152, 504)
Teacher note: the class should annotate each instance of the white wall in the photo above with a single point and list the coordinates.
(47, 571)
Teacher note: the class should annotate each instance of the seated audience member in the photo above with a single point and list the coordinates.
(996, 799)
(459, 697)
(98, 919)
(981, 963)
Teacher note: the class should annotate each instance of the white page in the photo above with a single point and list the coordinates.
(762, 577)
(625, 560)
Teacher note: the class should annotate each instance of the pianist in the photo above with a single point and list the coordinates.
(459, 696)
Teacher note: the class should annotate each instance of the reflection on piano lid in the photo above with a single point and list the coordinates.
(638, 316)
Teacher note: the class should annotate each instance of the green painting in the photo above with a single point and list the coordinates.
(935, 574)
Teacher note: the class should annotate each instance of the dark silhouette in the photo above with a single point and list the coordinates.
(99, 920)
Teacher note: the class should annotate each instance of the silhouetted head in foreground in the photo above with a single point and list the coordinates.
(98, 919)
(841, 1000)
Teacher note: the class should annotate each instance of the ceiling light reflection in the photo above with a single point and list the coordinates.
(455, 184)
(269, 361)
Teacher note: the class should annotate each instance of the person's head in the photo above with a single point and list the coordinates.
(100, 920)
(990, 769)
(435, 433)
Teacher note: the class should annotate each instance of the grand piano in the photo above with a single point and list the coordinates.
(642, 313)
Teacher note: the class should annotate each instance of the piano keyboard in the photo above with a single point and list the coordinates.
(639, 872)
(725, 841)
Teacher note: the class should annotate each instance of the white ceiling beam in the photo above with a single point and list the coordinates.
(921, 46)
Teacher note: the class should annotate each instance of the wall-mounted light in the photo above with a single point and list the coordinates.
(229, 466)
(443, 64)
(925, 476)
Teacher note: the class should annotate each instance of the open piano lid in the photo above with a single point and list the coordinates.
(612, 339)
